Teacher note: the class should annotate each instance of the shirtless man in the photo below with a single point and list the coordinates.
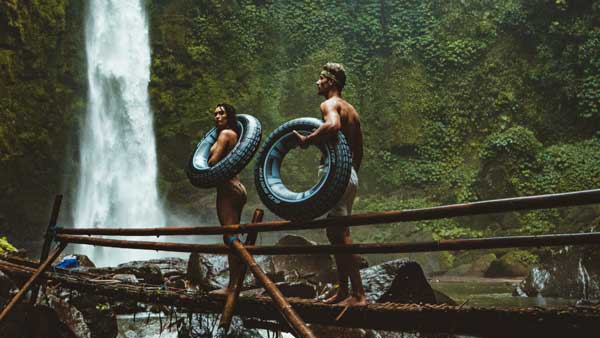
(338, 115)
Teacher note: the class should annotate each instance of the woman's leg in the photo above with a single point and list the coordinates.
(230, 203)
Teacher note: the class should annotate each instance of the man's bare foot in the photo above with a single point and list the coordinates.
(354, 301)
(221, 291)
(338, 297)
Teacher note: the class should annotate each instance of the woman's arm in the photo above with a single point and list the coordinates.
(225, 142)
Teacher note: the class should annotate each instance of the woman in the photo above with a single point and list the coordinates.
(231, 194)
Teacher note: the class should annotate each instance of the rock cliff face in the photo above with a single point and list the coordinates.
(42, 91)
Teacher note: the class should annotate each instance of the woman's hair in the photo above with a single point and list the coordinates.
(231, 116)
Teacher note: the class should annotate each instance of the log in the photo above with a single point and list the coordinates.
(234, 294)
(282, 305)
(31, 280)
(471, 321)
(367, 248)
(454, 210)
(48, 239)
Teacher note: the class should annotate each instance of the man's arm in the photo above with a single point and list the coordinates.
(331, 125)
(227, 138)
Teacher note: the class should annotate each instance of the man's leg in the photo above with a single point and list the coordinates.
(335, 235)
(351, 267)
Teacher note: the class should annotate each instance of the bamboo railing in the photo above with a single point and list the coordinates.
(454, 210)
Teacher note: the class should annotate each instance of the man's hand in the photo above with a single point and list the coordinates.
(301, 140)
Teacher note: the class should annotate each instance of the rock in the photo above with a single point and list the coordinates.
(97, 313)
(511, 264)
(70, 316)
(7, 287)
(381, 282)
(409, 285)
(126, 278)
(335, 331)
(200, 271)
(314, 268)
(442, 298)
(148, 272)
(477, 268)
(571, 272)
(297, 289)
(27, 321)
(84, 261)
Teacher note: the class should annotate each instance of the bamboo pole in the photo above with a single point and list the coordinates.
(368, 248)
(286, 310)
(31, 280)
(446, 211)
(48, 239)
(233, 295)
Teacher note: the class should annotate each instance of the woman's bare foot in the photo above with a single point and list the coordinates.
(336, 298)
(354, 301)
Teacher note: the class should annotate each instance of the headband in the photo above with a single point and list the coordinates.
(329, 75)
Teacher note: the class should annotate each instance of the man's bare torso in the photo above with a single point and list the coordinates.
(350, 127)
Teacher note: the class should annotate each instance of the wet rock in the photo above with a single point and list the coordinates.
(97, 313)
(70, 316)
(334, 331)
(511, 264)
(442, 298)
(7, 287)
(220, 268)
(314, 268)
(148, 272)
(84, 261)
(572, 272)
(400, 280)
(200, 271)
(409, 285)
(27, 321)
(297, 289)
(126, 278)
(476, 268)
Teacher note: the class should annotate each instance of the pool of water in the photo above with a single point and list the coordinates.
(492, 292)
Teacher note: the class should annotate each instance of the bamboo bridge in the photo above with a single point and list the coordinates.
(291, 314)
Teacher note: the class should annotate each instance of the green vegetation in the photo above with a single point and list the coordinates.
(459, 100)
(5, 246)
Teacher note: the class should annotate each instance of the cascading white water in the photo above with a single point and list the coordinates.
(118, 169)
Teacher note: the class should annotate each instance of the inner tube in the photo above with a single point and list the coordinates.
(202, 175)
(320, 198)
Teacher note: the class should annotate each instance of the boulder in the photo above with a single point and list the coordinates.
(39, 321)
(200, 271)
(400, 280)
(512, 264)
(296, 289)
(476, 268)
(7, 287)
(571, 272)
(148, 272)
(314, 268)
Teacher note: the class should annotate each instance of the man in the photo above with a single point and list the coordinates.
(339, 115)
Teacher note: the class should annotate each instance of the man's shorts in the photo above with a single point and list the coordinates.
(344, 206)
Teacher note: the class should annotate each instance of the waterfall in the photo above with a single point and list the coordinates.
(584, 278)
(118, 166)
